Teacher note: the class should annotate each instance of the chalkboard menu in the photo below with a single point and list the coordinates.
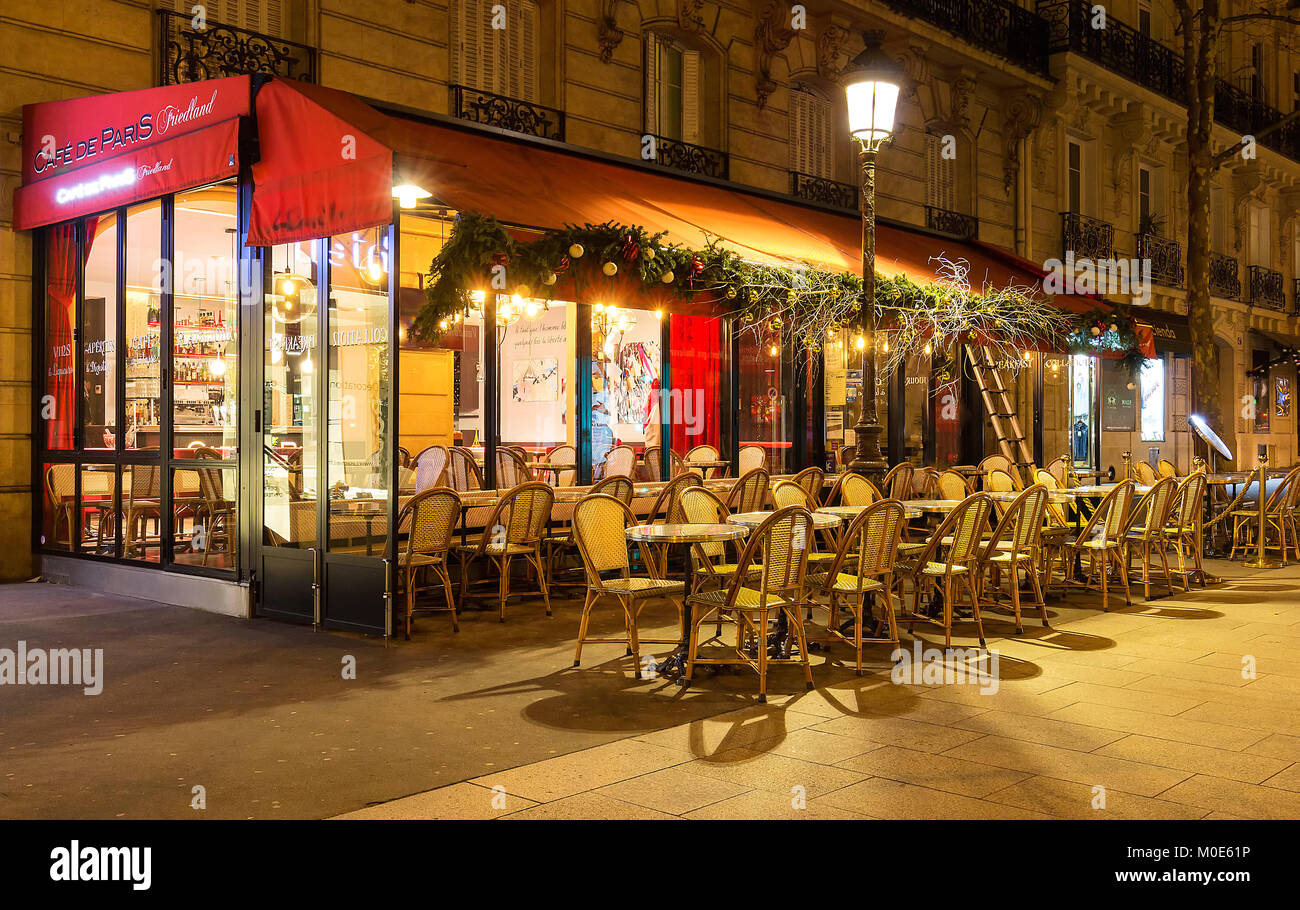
(1118, 401)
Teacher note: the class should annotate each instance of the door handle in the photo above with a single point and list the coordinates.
(257, 421)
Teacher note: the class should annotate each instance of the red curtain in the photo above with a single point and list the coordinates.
(697, 371)
(59, 406)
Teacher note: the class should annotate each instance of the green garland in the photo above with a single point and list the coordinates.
(1101, 332)
(798, 305)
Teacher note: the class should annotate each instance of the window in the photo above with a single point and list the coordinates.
(1261, 250)
(498, 60)
(1153, 401)
(1074, 176)
(99, 334)
(265, 16)
(672, 89)
(811, 144)
(1218, 219)
(940, 175)
(1144, 198)
(1258, 76)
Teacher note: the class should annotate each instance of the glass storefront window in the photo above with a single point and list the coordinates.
(626, 371)
(203, 508)
(535, 357)
(58, 403)
(142, 511)
(1082, 409)
(59, 512)
(1153, 401)
(290, 407)
(99, 405)
(916, 405)
(358, 441)
(945, 373)
(98, 510)
(205, 310)
(143, 314)
(766, 411)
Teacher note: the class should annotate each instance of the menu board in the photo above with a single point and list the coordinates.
(1118, 399)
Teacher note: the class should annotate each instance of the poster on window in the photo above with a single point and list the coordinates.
(638, 369)
(1118, 399)
(536, 380)
(1282, 396)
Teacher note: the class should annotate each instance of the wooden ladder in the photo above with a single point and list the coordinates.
(1001, 410)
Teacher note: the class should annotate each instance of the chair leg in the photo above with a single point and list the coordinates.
(410, 598)
(1123, 574)
(582, 625)
(762, 656)
(633, 641)
(503, 584)
(1015, 597)
(1105, 586)
(803, 645)
(975, 606)
(536, 561)
(947, 611)
(1038, 591)
(446, 593)
(464, 580)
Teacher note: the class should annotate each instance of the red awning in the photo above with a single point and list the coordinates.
(89, 154)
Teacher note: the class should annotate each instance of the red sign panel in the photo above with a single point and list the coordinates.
(190, 159)
(62, 136)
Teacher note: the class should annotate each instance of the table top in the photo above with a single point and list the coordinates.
(909, 511)
(1101, 489)
(1231, 477)
(935, 505)
(820, 520)
(707, 464)
(1056, 497)
(554, 466)
(686, 533)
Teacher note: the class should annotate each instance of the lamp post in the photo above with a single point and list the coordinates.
(871, 87)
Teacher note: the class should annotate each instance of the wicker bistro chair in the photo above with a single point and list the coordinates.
(61, 494)
(1059, 470)
(898, 482)
(863, 564)
(1143, 473)
(854, 490)
(512, 468)
(430, 466)
(620, 462)
(846, 455)
(750, 458)
(709, 560)
(952, 485)
(1015, 545)
(515, 528)
(1142, 539)
(998, 463)
(216, 507)
(1183, 528)
(560, 541)
(1102, 538)
(812, 480)
(925, 484)
(704, 453)
(676, 463)
(1166, 468)
(769, 582)
(463, 471)
(430, 519)
(599, 526)
(143, 504)
(787, 493)
(1276, 506)
(749, 493)
(666, 508)
(563, 454)
(927, 569)
(653, 467)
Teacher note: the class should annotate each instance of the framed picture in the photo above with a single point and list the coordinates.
(1282, 396)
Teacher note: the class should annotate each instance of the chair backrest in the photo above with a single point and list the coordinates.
(778, 549)
(211, 486)
(620, 461)
(856, 490)
(1144, 473)
(702, 453)
(998, 481)
(750, 458)
(997, 463)
(1021, 523)
(654, 462)
(925, 483)
(1186, 508)
(563, 454)
(1166, 468)
(463, 471)
(599, 525)
(523, 511)
(701, 506)
(952, 485)
(749, 493)
(667, 504)
(1111, 513)
(1284, 494)
(812, 480)
(964, 526)
(433, 516)
(1059, 470)
(847, 454)
(1155, 506)
(429, 466)
(873, 537)
(786, 493)
(617, 486)
(898, 482)
(146, 482)
(60, 480)
(677, 463)
(512, 468)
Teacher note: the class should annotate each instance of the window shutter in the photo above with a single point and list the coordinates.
(652, 83)
(810, 141)
(939, 174)
(691, 96)
(799, 130)
(530, 15)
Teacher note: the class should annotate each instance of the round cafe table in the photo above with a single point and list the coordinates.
(678, 535)
(850, 512)
(820, 520)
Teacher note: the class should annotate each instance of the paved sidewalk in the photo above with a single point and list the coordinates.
(1181, 708)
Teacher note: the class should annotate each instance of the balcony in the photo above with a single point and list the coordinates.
(1166, 257)
(1265, 288)
(1086, 238)
(954, 224)
(997, 26)
(823, 190)
(1225, 276)
(187, 55)
(693, 159)
(1124, 50)
(507, 113)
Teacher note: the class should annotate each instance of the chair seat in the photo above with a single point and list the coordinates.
(636, 586)
(746, 599)
(510, 549)
(1093, 543)
(907, 549)
(726, 569)
(419, 559)
(846, 583)
(1006, 556)
(938, 568)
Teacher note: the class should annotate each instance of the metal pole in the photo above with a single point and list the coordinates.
(867, 459)
(1262, 560)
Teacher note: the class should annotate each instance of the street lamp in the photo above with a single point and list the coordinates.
(871, 87)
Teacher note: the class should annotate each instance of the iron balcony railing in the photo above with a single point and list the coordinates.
(954, 224)
(693, 159)
(507, 113)
(188, 54)
(997, 26)
(1086, 238)
(1225, 276)
(1124, 50)
(1265, 287)
(824, 190)
(1166, 257)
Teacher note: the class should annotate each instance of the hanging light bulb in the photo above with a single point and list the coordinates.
(219, 366)
(860, 343)
(305, 364)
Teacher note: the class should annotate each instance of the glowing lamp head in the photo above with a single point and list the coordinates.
(408, 194)
(871, 87)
